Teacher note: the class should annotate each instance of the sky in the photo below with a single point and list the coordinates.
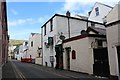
(27, 16)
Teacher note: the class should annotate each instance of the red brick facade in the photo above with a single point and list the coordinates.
(3, 33)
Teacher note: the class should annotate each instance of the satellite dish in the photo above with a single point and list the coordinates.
(83, 32)
(62, 37)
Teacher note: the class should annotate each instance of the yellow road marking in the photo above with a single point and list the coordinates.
(17, 71)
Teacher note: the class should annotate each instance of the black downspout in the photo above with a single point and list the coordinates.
(87, 22)
(42, 44)
(68, 27)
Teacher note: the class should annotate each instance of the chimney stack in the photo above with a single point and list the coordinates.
(68, 13)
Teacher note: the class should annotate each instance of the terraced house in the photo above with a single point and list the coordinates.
(34, 50)
(58, 28)
(113, 39)
(3, 34)
(77, 43)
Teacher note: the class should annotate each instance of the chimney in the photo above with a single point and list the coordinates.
(68, 13)
(89, 13)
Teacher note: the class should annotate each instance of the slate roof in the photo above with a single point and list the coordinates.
(99, 31)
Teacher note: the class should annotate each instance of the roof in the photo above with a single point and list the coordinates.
(105, 5)
(100, 4)
(34, 34)
(82, 17)
(99, 31)
(83, 36)
(71, 18)
(113, 23)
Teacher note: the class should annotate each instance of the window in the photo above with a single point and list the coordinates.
(73, 54)
(32, 44)
(99, 43)
(26, 43)
(45, 30)
(51, 25)
(97, 11)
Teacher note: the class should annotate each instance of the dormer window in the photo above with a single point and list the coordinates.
(97, 11)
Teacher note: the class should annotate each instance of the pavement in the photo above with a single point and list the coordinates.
(9, 72)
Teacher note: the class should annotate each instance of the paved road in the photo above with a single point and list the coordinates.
(27, 71)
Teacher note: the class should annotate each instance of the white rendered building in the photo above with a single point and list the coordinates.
(99, 12)
(55, 27)
(34, 45)
(113, 39)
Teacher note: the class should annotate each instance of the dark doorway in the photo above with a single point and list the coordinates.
(118, 54)
(59, 56)
(101, 64)
(68, 57)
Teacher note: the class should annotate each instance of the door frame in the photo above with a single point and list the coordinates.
(118, 58)
(101, 62)
(68, 49)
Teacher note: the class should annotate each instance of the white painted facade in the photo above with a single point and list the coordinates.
(113, 39)
(103, 10)
(62, 24)
(34, 44)
(23, 51)
(11, 50)
(84, 54)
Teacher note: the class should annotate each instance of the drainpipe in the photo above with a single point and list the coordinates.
(87, 22)
(68, 15)
(68, 27)
(42, 44)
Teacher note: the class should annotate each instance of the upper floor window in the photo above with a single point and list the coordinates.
(51, 25)
(26, 43)
(45, 30)
(32, 44)
(97, 11)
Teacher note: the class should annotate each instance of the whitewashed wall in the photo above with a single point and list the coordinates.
(103, 11)
(112, 39)
(21, 53)
(36, 38)
(113, 15)
(47, 52)
(113, 36)
(60, 24)
(76, 26)
(84, 56)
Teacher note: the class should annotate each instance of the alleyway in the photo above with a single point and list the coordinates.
(26, 71)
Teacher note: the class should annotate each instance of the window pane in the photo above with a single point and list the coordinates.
(97, 11)
(32, 44)
(51, 25)
(45, 30)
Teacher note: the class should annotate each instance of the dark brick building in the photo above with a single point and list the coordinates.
(3, 33)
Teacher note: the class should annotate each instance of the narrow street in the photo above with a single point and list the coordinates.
(18, 70)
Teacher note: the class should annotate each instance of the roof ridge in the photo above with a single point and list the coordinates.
(105, 4)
